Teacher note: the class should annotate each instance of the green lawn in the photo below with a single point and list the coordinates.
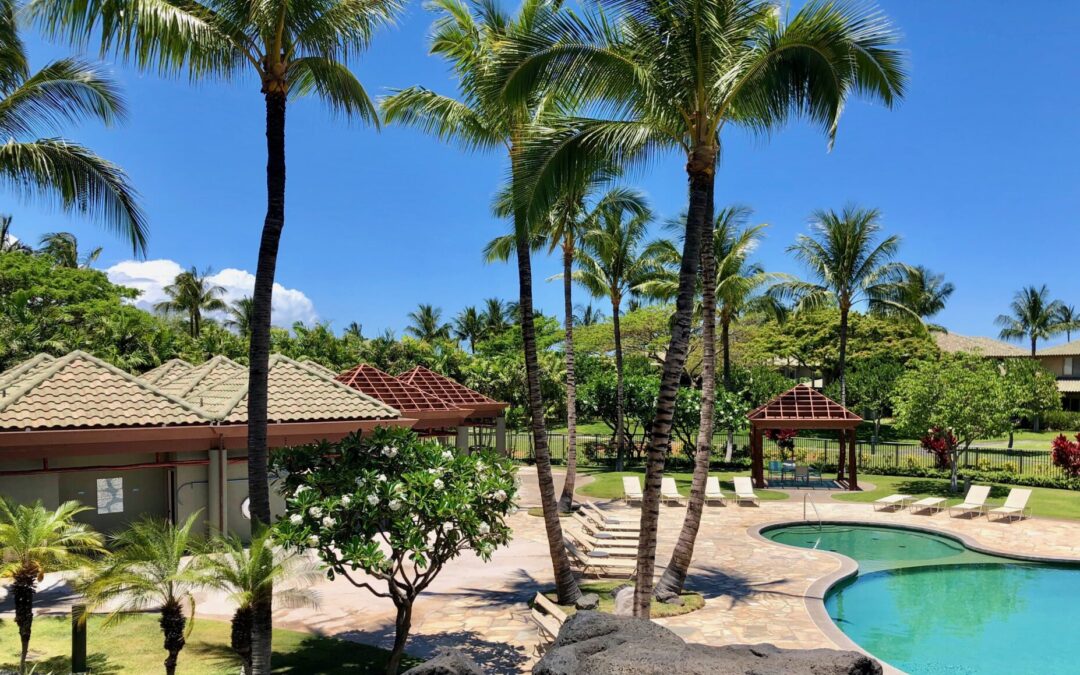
(590, 428)
(1026, 440)
(1045, 502)
(605, 589)
(608, 484)
(134, 646)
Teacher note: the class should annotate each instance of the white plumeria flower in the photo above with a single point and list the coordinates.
(313, 541)
(296, 519)
(484, 528)
(373, 499)
(300, 490)
(500, 495)
(328, 522)
(447, 454)
(385, 450)
(395, 504)
(315, 511)
(393, 452)
(345, 499)
(433, 472)
(382, 478)
(438, 484)
(359, 480)
(447, 526)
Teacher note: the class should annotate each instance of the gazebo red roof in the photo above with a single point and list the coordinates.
(411, 401)
(452, 392)
(803, 407)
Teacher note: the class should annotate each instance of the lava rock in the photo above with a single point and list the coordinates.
(591, 643)
(588, 601)
(447, 662)
(624, 600)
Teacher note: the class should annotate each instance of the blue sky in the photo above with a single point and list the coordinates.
(976, 170)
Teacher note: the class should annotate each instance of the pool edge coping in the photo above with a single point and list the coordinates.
(814, 596)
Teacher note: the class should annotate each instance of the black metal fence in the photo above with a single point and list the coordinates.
(882, 456)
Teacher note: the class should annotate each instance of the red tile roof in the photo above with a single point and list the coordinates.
(803, 406)
(392, 391)
(449, 390)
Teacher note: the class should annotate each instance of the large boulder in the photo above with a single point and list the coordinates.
(591, 643)
(447, 662)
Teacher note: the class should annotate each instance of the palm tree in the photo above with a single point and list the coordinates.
(63, 247)
(848, 266)
(427, 324)
(1069, 320)
(1034, 317)
(240, 315)
(192, 293)
(35, 541)
(469, 326)
(587, 315)
(611, 263)
(494, 315)
(152, 568)
(354, 329)
(294, 49)
(676, 72)
(472, 39)
(8, 242)
(923, 294)
(245, 572)
(65, 91)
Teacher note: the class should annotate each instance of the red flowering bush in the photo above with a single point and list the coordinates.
(1066, 454)
(784, 438)
(942, 443)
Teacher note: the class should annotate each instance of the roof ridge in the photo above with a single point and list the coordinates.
(25, 365)
(208, 367)
(315, 371)
(391, 381)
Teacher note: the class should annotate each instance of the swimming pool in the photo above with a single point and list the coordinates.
(928, 605)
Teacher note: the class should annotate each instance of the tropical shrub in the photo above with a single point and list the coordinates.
(941, 443)
(396, 507)
(1066, 454)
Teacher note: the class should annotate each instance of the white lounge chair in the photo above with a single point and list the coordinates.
(974, 502)
(669, 492)
(600, 565)
(624, 548)
(1015, 505)
(928, 504)
(601, 533)
(631, 487)
(712, 491)
(548, 618)
(892, 502)
(608, 521)
(744, 491)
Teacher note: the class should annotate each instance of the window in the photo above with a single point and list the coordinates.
(110, 495)
(1068, 370)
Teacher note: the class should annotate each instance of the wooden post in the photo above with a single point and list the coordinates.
(757, 468)
(853, 469)
(842, 457)
(78, 639)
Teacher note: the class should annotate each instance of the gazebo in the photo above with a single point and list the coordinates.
(803, 407)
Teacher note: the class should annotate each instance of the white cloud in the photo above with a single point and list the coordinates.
(151, 277)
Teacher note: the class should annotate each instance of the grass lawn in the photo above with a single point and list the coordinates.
(659, 610)
(608, 484)
(1045, 502)
(588, 428)
(134, 646)
(1026, 440)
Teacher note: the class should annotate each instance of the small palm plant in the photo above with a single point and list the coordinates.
(245, 573)
(152, 567)
(34, 542)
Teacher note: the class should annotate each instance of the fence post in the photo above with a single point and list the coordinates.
(1021, 469)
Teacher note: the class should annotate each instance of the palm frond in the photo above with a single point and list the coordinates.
(335, 85)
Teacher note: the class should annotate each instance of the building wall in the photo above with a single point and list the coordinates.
(1056, 365)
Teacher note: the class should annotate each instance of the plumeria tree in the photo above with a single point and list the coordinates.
(388, 510)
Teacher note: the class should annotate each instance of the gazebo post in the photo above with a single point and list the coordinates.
(853, 480)
(757, 468)
(842, 457)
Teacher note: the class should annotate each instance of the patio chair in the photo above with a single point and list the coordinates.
(599, 565)
(713, 495)
(974, 502)
(548, 618)
(606, 520)
(1015, 505)
(744, 491)
(891, 502)
(802, 472)
(775, 467)
(593, 546)
(631, 487)
(669, 492)
(932, 504)
(600, 533)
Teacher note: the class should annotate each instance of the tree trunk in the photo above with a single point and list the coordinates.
(241, 636)
(22, 590)
(843, 351)
(566, 502)
(620, 421)
(565, 583)
(1011, 438)
(700, 169)
(172, 628)
(954, 456)
(725, 346)
(674, 578)
(259, 359)
(402, 624)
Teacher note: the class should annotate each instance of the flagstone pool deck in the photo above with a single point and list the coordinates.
(755, 590)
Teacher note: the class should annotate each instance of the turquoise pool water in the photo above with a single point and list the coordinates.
(929, 606)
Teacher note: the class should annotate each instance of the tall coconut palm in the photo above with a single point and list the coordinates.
(244, 572)
(471, 37)
(66, 91)
(611, 264)
(8, 242)
(151, 568)
(494, 316)
(469, 326)
(63, 247)
(33, 542)
(923, 294)
(675, 73)
(241, 314)
(354, 329)
(293, 49)
(1034, 316)
(587, 315)
(848, 266)
(192, 293)
(1069, 319)
(427, 324)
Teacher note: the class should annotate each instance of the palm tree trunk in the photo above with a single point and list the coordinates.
(22, 591)
(700, 172)
(241, 636)
(259, 358)
(565, 584)
(172, 628)
(566, 502)
(620, 421)
(725, 346)
(843, 352)
(674, 578)
(402, 624)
